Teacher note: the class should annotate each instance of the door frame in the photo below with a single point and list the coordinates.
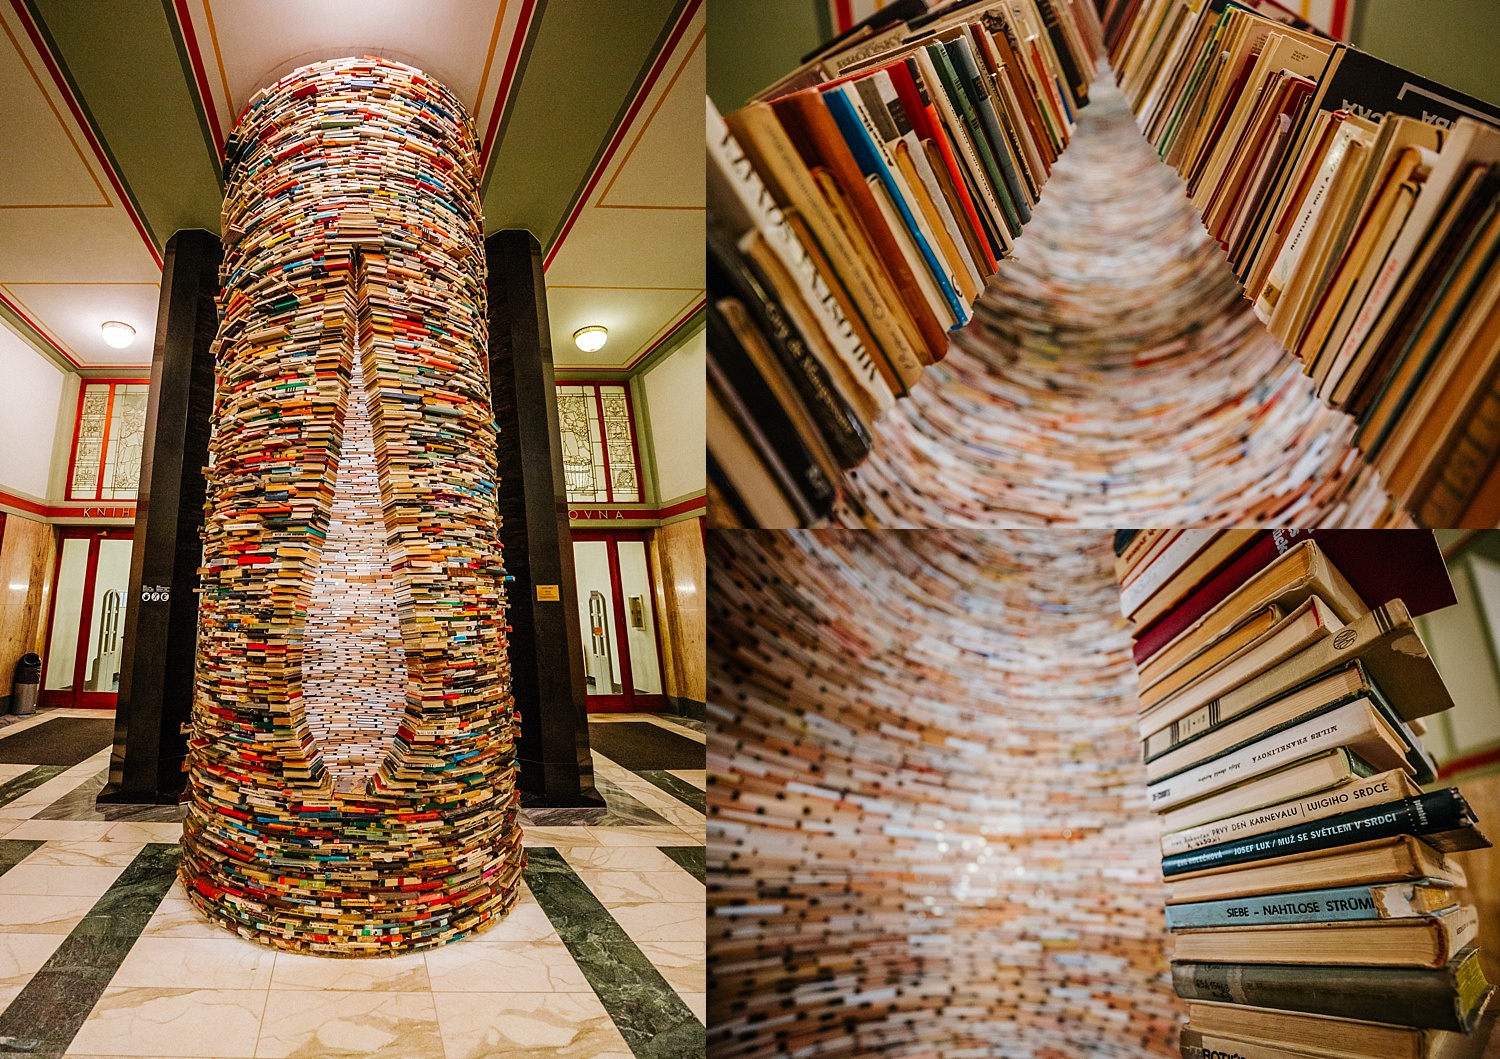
(631, 701)
(76, 697)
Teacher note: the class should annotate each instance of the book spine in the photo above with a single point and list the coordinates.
(1342, 904)
(988, 126)
(1352, 641)
(1432, 817)
(1404, 996)
(1375, 790)
(1122, 540)
(842, 430)
(1177, 555)
(1352, 725)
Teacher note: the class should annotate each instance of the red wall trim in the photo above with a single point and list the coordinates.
(38, 329)
(55, 512)
(502, 94)
(200, 74)
(1471, 761)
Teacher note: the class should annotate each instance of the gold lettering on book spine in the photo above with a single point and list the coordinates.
(351, 767)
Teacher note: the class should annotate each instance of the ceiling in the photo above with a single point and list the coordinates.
(113, 129)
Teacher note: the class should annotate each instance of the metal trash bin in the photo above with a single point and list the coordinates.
(28, 683)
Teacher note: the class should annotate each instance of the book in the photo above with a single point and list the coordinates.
(1382, 860)
(1324, 1034)
(1342, 904)
(1444, 998)
(1356, 725)
(1416, 941)
(1441, 819)
(1379, 789)
(1184, 547)
(1327, 771)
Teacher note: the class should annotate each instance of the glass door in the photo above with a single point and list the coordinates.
(617, 610)
(87, 625)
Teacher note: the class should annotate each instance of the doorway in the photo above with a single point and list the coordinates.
(86, 627)
(617, 609)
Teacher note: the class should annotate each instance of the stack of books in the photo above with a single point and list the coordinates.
(1283, 688)
(352, 463)
(856, 209)
(1359, 204)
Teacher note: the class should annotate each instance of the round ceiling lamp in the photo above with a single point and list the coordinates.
(117, 334)
(590, 339)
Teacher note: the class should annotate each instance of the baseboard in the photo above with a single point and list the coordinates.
(698, 711)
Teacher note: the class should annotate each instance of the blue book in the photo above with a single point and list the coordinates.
(1338, 905)
(862, 147)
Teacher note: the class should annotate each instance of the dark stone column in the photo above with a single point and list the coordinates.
(546, 646)
(161, 614)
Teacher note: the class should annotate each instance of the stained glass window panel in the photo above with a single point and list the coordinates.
(107, 442)
(598, 444)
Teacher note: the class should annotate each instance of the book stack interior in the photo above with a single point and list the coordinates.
(351, 763)
(1311, 889)
(1106, 369)
(927, 831)
(1359, 204)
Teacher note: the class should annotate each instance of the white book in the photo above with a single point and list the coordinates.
(1356, 725)
(1172, 559)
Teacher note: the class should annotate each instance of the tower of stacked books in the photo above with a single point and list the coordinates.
(1283, 688)
(351, 771)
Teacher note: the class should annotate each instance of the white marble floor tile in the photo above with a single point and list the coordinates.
(641, 836)
(524, 967)
(323, 1022)
(172, 1022)
(526, 921)
(528, 1026)
(619, 858)
(404, 973)
(661, 921)
(698, 1004)
(69, 880)
(32, 914)
(22, 955)
(225, 962)
(697, 777)
(681, 963)
(176, 917)
(636, 887)
(558, 836)
(86, 854)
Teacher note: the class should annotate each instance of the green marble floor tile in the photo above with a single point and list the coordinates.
(645, 1008)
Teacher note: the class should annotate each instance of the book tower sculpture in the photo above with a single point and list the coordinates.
(351, 768)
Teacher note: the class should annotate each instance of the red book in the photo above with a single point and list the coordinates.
(1381, 565)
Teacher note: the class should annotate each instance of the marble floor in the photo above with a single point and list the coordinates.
(101, 954)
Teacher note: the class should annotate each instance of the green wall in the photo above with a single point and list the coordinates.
(753, 42)
(1454, 42)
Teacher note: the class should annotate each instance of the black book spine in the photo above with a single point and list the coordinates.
(1064, 54)
(1123, 539)
(732, 365)
(1402, 996)
(729, 275)
(1442, 819)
